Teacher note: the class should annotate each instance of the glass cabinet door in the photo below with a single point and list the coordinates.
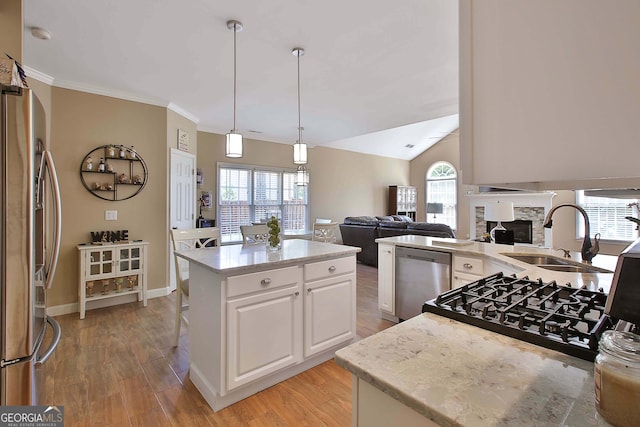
(130, 259)
(100, 262)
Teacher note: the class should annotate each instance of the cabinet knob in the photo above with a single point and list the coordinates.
(309, 290)
(467, 265)
(265, 282)
(332, 269)
(296, 293)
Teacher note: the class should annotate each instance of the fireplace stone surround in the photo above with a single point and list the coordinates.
(531, 206)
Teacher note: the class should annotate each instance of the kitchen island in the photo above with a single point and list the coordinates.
(257, 318)
(431, 370)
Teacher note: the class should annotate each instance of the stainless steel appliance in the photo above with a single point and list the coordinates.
(420, 275)
(30, 229)
(558, 317)
(624, 297)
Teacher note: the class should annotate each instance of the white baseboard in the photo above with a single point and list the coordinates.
(59, 310)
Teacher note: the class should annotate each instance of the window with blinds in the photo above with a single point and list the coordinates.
(252, 194)
(442, 184)
(607, 217)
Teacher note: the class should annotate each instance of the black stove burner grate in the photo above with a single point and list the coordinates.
(561, 318)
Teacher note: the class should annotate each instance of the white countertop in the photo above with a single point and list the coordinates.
(457, 374)
(592, 281)
(239, 259)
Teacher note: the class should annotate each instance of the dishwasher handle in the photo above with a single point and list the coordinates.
(423, 255)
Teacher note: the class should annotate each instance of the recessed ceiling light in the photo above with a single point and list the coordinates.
(40, 33)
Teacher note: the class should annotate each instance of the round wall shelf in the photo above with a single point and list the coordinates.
(113, 172)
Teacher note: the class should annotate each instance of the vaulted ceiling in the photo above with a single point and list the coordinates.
(377, 76)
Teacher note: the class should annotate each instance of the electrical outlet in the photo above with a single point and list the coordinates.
(111, 215)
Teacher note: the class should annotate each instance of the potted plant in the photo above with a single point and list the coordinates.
(274, 234)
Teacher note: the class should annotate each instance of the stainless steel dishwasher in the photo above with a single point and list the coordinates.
(421, 275)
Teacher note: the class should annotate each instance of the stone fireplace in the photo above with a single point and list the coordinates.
(527, 206)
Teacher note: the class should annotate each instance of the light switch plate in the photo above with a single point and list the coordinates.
(111, 215)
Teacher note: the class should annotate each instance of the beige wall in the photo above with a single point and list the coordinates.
(342, 183)
(81, 122)
(11, 29)
(448, 149)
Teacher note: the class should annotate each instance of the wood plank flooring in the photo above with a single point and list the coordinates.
(117, 368)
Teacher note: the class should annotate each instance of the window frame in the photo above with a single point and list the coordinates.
(450, 214)
(286, 178)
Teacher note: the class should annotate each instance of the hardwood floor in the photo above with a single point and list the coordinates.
(117, 368)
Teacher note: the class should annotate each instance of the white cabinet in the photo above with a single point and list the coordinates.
(111, 271)
(254, 326)
(329, 298)
(386, 279)
(264, 324)
(539, 87)
(467, 269)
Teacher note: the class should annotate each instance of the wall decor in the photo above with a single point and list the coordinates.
(205, 199)
(183, 140)
(120, 172)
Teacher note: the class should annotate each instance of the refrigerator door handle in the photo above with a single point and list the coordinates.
(57, 213)
(54, 342)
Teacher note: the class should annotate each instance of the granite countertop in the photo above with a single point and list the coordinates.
(460, 375)
(498, 254)
(239, 259)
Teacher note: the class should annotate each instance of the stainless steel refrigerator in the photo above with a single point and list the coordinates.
(30, 227)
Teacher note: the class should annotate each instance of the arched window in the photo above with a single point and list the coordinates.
(442, 184)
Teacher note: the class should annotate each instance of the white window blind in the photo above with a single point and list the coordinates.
(607, 217)
(252, 194)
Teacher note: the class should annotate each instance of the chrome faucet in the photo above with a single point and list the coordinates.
(588, 250)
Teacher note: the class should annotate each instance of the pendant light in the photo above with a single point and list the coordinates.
(299, 148)
(233, 147)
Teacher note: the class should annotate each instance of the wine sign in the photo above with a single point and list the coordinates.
(106, 237)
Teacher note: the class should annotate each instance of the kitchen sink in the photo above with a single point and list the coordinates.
(538, 259)
(549, 262)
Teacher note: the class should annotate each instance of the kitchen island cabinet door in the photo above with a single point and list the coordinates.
(386, 279)
(329, 314)
(264, 334)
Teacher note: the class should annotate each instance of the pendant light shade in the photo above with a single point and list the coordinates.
(302, 176)
(299, 153)
(233, 147)
(299, 148)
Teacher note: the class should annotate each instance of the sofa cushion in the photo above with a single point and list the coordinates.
(402, 218)
(385, 218)
(441, 229)
(393, 224)
(361, 220)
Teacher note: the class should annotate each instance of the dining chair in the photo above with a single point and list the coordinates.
(186, 239)
(325, 232)
(254, 234)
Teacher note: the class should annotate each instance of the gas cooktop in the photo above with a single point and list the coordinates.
(558, 317)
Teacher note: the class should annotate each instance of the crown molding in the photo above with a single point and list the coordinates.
(40, 76)
(184, 113)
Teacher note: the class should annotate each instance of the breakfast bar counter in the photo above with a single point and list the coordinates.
(257, 318)
(431, 370)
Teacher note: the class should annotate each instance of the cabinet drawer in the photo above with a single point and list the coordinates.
(468, 265)
(262, 280)
(332, 267)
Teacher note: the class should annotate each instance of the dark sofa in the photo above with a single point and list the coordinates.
(362, 231)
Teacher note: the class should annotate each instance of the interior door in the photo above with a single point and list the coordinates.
(182, 199)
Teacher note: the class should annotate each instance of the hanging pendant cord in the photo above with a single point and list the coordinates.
(235, 31)
(299, 126)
